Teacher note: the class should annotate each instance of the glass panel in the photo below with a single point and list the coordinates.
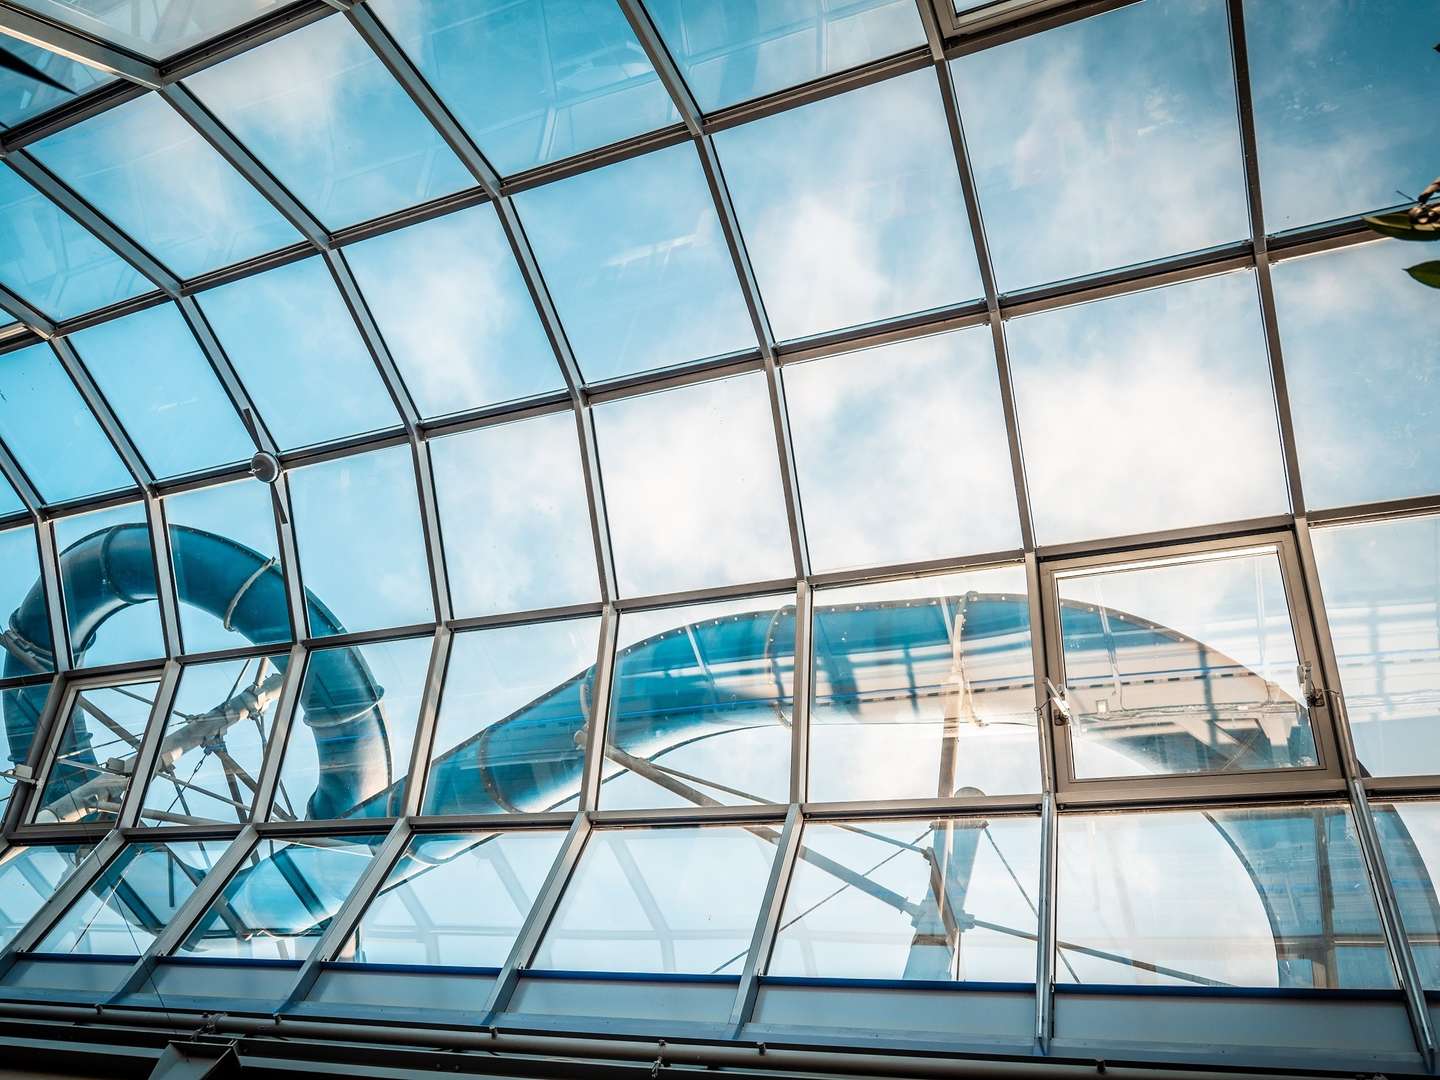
(533, 80)
(1344, 106)
(54, 436)
(281, 900)
(952, 899)
(456, 314)
(702, 705)
(455, 900)
(20, 708)
(515, 518)
(24, 609)
(851, 207)
(214, 742)
(637, 265)
(22, 96)
(902, 452)
(348, 754)
(1105, 142)
(107, 577)
(1382, 599)
(692, 486)
(1183, 666)
(362, 553)
(1359, 338)
(319, 109)
(151, 173)
(153, 28)
(1180, 378)
(10, 503)
(1253, 897)
(1410, 842)
(924, 688)
(662, 900)
(87, 780)
(126, 907)
(49, 259)
(730, 53)
(510, 735)
(29, 876)
(227, 567)
(297, 350)
(164, 391)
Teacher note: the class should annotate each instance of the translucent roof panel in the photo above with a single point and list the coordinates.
(1167, 392)
(851, 207)
(106, 559)
(152, 174)
(164, 391)
(707, 454)
(362, 552)
(637, 265)
(51, 261)
(45, 423)
(533, 80)
(1358, 336)
(701, 707)
(1087, 140)
(514, 517)
(89, 775)
(730, 53)
(1344, 111)
(509, 736)
(299, 354)
(925, 876)
(319, 109)
(24, 608)
(29, 876)
(22, 96)
(153, 28)
(455, 312)
(902, 452)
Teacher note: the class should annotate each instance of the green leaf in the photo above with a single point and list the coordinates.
(1427, 273)
(1399, 226)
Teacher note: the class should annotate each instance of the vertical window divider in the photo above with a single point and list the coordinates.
(149, 750)
(598, 722)
(280, 728)
(767, 925)
(425, 724)
(803, 685)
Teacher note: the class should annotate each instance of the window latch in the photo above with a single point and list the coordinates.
(1060, 711)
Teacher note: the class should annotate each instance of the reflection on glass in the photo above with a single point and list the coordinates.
(706, 454)
(22, 97)
(10, 502)
(164, 391)
(208, 763)
(455, 900)
(662, 900)
(533, 80)
(297, 350)
(1231, 897)
(282, 898)
(1185, 665)
(924, 688)
(851, 207)
(52, 433)
(702, 705)
(1106, 142)
(902, 452)
(1359, 339)
(348, 754)
(511, 731)
(107, 578)
(24, 610)
(1381, 583)
(362, 553)
(953, 899)
(20, 710)
(1344, 106)
(29, 876)
(126, 907)
(153, 175)
(226, 557)
(455, 312)
(153, 28)
(1148, 411)
(514, 516)
(93, 762)
(637, 264)
(1410, 842)
(49, 259)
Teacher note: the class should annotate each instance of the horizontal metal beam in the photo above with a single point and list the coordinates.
(23, 25)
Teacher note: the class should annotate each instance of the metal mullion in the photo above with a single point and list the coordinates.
(86, 873)
(598, 722)
(289, 543)
(767, 923)
(225, 370)
(25, 26)
(95, 401)
(149, 750)
(596, 508)
(664, 64)
(802, 692)
(1045, 926)
(374, 340)
(51, 580)
(25, 312)
(526, 617)
(425, 724)
(166, 591)
(280, 728)
(11, 469)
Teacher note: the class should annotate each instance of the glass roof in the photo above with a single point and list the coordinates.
(22, 96)
(153, 28)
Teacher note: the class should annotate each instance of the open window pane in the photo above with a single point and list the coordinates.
(510, 735)
(1243, 897)
(924, 688)
(24, 609)
(851, 207)
(1184, 665)
(702, 706)
(680, 900)
(29, 876)
(953, 899)
(455, 899)
(153, 28)
(107, 577)
(94, 758)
